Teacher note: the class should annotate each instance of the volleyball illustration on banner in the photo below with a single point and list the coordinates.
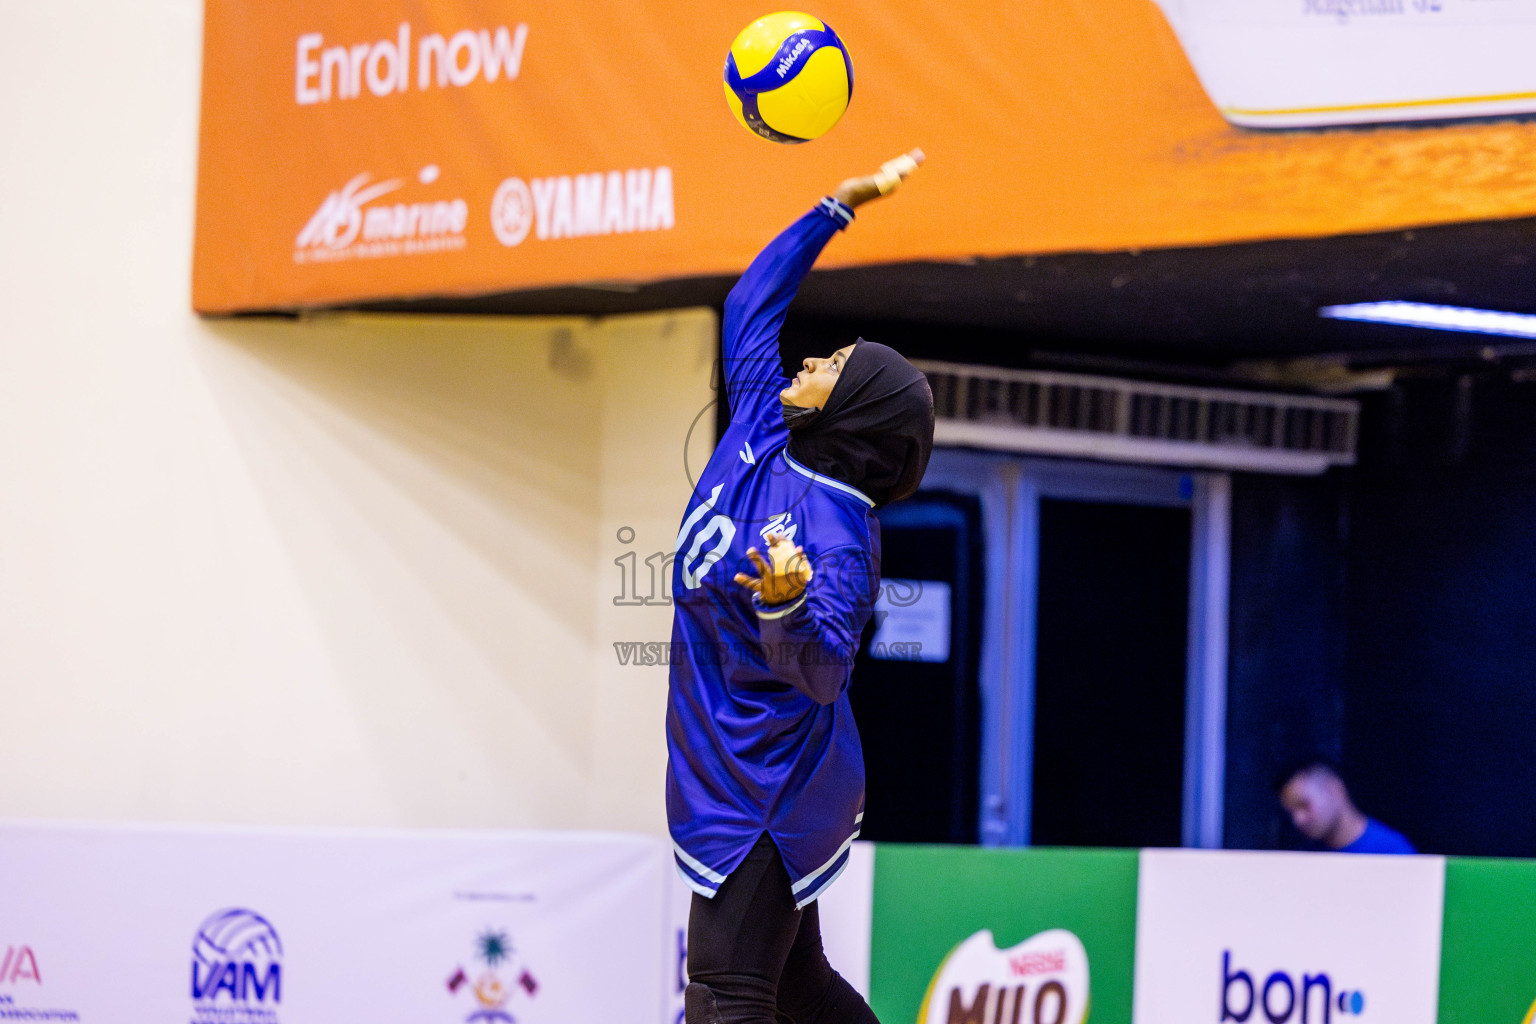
(788, 77)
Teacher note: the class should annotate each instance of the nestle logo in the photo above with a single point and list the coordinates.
(1050, 962)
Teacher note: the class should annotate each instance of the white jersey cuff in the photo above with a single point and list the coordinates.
(838, 211)
(775, 611)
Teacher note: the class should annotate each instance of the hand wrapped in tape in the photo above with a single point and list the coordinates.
(781, 577)
(856, 191)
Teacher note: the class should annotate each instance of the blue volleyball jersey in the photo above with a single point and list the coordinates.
(760, 734)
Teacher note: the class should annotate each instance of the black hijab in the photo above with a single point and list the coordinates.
(876, 430)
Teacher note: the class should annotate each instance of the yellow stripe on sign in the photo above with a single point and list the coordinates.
(1508, 97)
(1530, 1015)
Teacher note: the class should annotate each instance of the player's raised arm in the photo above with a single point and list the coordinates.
(857, 191)
(754, 311)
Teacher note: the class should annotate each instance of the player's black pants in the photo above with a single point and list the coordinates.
(759, 958)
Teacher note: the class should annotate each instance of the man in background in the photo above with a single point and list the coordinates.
(1318, 802)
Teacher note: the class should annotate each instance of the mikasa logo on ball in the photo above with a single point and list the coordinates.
(1042, 980)
(794, 55)
(788, 77)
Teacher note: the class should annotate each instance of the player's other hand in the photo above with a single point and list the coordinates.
(856, 191)
(782, 576)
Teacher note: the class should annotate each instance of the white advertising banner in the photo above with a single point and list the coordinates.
(1306, 63)
(229, 926)
(1287, 938)
(847, 912)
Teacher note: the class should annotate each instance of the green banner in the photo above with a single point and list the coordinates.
(1062, 943)
(1488, 952)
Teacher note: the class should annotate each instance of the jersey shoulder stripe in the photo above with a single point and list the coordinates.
(836, 485)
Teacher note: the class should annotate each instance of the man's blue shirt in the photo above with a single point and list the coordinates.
(1379, 838)
(760, 734)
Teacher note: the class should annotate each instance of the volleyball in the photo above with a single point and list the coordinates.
(788, 77)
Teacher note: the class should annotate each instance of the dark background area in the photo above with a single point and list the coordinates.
(1200, 307)
(1440, 710)
(920, 722)
(1110, 652)
(1384, 614)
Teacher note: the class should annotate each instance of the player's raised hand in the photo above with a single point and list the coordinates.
(781, 577)
(883, 182)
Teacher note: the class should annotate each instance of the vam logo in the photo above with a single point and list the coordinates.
(1283, 997)
(1042, 980)
(21, 982)
(19, 964)
(236, 962)
(350, 225)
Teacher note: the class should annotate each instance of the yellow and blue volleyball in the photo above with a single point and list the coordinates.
(788, 77)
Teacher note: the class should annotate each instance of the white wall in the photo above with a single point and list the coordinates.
(350, 570)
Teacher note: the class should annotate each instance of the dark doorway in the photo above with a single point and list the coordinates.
(919, 713)
(1110, 654)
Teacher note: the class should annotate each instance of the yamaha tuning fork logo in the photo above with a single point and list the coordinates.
(236, 965)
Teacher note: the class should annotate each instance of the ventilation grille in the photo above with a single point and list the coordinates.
(1133, 421)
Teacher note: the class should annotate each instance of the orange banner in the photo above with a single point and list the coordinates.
(400, 148)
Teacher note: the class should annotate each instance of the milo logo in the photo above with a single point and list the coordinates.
(1042, 980)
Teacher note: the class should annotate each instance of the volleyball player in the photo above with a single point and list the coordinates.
(777, 570)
